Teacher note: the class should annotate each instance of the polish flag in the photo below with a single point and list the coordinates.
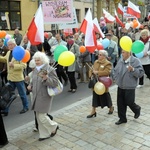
(97, 27)
(133, 10)
(87, 28)
(120, 9)
(35, 32)
(108, 17)
(118, 20)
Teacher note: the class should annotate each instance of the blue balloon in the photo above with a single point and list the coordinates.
(105, 43)
(139, 55)
(5, 41)
(18, 53)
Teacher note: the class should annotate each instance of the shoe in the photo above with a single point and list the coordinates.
(93, 115)
(35, 129)
(138, 113)
(111, 110)
(50, 116)
(4, 113)
(24, 111)
(42, 139)
(73, 90)
(139, 86)
(53, 134)
(1, 146)
(81, 81)
(66, 82)
(120, 122)
(70, 90)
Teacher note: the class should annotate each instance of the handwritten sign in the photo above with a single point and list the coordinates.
(57, 11)
(70, 25)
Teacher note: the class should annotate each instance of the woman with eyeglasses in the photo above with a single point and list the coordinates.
(102, 67)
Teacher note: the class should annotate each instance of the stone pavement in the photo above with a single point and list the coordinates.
(100, 133)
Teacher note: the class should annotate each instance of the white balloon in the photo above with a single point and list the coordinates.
(127, 25)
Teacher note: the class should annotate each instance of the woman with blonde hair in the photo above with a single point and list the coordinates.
(145, 60)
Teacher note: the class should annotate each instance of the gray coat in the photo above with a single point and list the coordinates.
(41, 100)
(74, 49)
(125, 79)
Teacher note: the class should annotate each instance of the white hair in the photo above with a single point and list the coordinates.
(42, 56)
(105, 53)
(32, 64)
(11, 41)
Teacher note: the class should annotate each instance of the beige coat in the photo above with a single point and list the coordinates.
(14, 74)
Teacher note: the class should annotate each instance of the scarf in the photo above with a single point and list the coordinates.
(144, 40)
(39, 67)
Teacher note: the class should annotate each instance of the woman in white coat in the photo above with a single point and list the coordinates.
(43, 76)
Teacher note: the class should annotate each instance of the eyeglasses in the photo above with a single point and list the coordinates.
(100, 55)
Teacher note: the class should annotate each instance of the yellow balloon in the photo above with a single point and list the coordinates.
(66, 58)
(99, 88)
(126, 43)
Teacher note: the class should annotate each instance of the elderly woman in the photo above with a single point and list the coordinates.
(145, 60)
(102, 67)
(42, 76)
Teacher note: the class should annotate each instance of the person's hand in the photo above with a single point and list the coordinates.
(130, 68)
(44, 77)
(29, 88)
(27, 78)
(11, 64)
(145, 54)
(95, 72)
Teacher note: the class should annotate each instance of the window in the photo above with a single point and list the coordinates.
(78, 15)
(10, 16)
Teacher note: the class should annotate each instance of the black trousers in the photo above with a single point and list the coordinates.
(147, 72)
(72, 80)
(61, 73)
(126, 97)
(3, 136)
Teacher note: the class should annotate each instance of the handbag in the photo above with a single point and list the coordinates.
(53, 91)
(7, 96)
(93, 81)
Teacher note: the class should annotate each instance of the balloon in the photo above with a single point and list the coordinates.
(18, 53)
(2, 34)
(105, 43)
(91, 49)
(100, 47)
(45, 34)
(127, 25)
(58, 50)
(8, 36)
(139, 55)
(106, 81)
(82, 49)
(66, 58)
(126, 43)
(99, 88)
(5, 41)
(135, 24)
(137, 47)
(26, 56)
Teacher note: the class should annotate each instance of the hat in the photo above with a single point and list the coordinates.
(32, 64)
(108, 34)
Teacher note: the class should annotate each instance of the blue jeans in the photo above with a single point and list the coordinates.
(22, 93)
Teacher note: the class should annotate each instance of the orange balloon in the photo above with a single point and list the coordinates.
(135, 24)
(26, 57)
(82, 49)
(2, 34)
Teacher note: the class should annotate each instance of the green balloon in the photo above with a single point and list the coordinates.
(137, 47)
(58, 50)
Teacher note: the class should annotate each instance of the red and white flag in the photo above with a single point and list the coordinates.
(133, 10)
(87, 28)
(118, 20)
(35, 32)
(148, 17)
(120, 9)
(97, 27)
(108, 17)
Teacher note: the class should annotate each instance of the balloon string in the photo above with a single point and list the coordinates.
(91, 67)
